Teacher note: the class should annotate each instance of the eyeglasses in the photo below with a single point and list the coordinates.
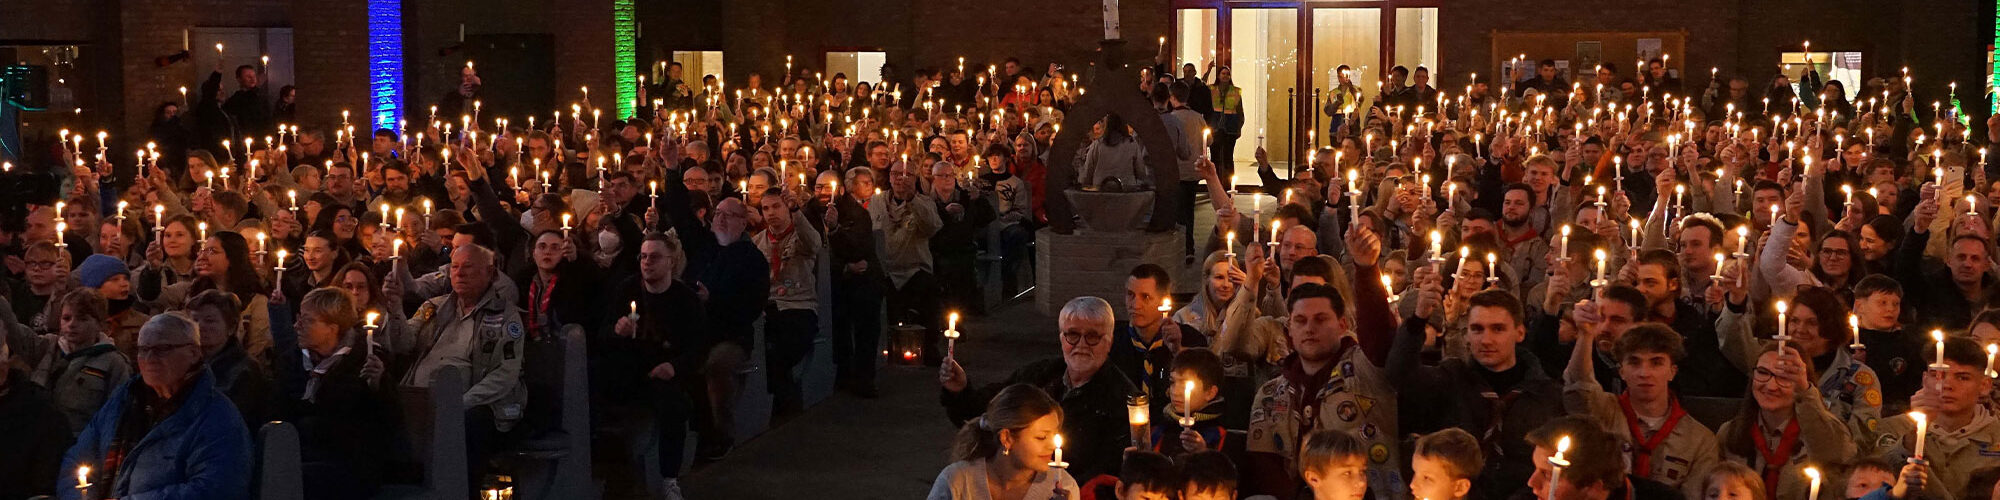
(1761, 375)
(160, 351)
(1072, 338)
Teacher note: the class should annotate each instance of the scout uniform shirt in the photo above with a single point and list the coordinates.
(1812, 436)
(1953, 454)
(1676, 451)
(1354, 398)
(487, 340)
(79, 380)
(1852, 392)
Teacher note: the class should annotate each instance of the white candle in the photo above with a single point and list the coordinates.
(951, 335)
(1602, 261)
(1556, 465)
(369, 329)
(1991, 351)
(1058, 462)
(1938, 336)
(1564, 248)
(1781, 327)
(1923, 427)
(1814, 474)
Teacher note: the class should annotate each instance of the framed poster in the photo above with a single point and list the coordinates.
(1648, 48)
(1589, 55)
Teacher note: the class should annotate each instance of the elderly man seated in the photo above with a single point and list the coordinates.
(168, 434)
(1092, 394)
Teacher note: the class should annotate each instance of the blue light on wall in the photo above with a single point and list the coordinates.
(385, 62)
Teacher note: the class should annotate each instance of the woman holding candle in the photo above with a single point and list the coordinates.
(1783, 425)
(1819, 331)
(169, 258)
(330, 392)
(1220, 285)
(224, 264)
(1836, 262)
(1006, 451)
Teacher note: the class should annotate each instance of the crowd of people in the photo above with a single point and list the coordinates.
(1627, 287)
(1488, 294)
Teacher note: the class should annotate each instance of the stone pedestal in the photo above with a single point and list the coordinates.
(1111, 212)
(1095, 263)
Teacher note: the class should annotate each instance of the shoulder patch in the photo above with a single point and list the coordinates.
(1864, 377)
(93, 372)
(1873, 397)
(514, 329)
(1887, 442)
(1378, 453)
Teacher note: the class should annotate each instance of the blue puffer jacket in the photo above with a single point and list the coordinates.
(202, 451)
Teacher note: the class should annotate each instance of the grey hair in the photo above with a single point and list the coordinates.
(170, 325)
(1089, 308)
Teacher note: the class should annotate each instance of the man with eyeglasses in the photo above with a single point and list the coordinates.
(1092, 395)
(735, 279)
(195, 443)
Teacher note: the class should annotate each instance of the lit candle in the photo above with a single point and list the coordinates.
(951, 335)
(1564, 248)
(1388, 288)
(1719, 260)
(369, 328)
(1781, 306)
(82, 479)
(565, 224)
(280, 277)
(1938, 336)
(1273, 243)
(1187, 404)
(385, 215)
(1991, 351)
(1742, 241)
(260, 242)
(1058, 462)
(1556, 465)
(1923, 427)
(1229, 247)
(1602, 261)
(1492, 268)
(1971, 206)
(203, 227)
(1813, 473)
(396, 249)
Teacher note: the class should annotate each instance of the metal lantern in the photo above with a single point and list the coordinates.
(1140, 415)
(906, 345)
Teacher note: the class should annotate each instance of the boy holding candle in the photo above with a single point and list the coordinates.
(1196, 397)
(1896, 355)
(1963, 435)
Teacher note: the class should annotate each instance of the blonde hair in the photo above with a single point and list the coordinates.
(1735, 471)
(333, 305)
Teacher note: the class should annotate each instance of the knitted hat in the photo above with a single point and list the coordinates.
(100, 268)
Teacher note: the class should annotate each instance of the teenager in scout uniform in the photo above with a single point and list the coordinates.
(1783, 426)
(78, 364)
(1963, 437)
(1327, 383)
(1661, 442)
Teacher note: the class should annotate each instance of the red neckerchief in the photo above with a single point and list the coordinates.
(539, 296)
(1305, 402)
(1531, 234)
(777, 256)
(1775, 459)
(1643, 445)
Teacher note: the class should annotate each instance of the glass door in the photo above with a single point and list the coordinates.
(1264, 58)
(1351, 38)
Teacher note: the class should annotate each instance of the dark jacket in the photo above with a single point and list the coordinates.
(571, 302)
(1094, 423)
(1898, 358)
(347, 430)
(852, 238)
(959, 236)
(34, 436)
(671, 329)
(1928, 285)
(1453, 394)
(199, 451)
(246, 383)
(253, 112)
(1705, 372)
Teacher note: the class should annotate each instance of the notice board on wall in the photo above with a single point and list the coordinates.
(1584, 50)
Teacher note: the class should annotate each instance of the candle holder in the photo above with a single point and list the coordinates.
(1139, 421)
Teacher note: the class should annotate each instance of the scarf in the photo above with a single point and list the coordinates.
(539, 296)
(1143, 348)
(1305, 387)
(317, 371)
(1776, 458)
(1642, 444)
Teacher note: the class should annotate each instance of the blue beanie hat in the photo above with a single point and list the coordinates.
(99, 268)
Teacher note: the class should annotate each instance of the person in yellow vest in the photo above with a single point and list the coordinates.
(1963, 436)
(1328, 383)
(1661, 441)
(1784, 426)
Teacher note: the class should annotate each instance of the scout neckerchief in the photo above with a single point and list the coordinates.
(539, 295)
(1642, 444)
(777, 256)
(1306, 386)
(1144, 348)
(1775, 458)
(1497, 414)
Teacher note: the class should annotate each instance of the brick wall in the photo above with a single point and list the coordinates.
(583, 53)
(331, 44)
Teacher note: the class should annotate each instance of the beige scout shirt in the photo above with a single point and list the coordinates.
(1356, 399)
(1953, 454)
(1680, 459)
(486, 339)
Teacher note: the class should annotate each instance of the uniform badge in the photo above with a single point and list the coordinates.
(1887, 442)
(514, 330)
(1378, 453)
(1368, 431)
(1897, 365)
(1871, 425)
(1873, 397)
(1347, 411)
(93, 372)
(1864, 377)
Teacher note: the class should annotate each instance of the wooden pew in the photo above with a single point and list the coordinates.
(565, 471)
(436, 428)
(280, 475)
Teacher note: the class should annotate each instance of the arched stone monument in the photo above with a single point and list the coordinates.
(1094, 239)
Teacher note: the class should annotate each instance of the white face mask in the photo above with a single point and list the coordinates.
(528, 219)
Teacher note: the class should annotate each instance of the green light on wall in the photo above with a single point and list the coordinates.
(625, 51)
